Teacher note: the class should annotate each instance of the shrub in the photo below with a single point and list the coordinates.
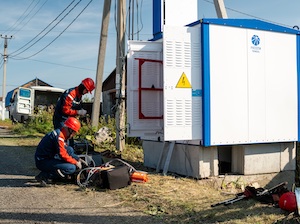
(39, 124)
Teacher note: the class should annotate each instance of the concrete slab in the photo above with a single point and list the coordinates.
(263, 158)
(188, 160)
(257, 180)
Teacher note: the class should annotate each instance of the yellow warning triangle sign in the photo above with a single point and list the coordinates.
(183, 82)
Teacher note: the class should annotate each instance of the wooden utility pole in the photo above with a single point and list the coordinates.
(100, 65)
(4, 75)
(220, 9)
(120, 76)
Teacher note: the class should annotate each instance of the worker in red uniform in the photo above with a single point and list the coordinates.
(54, 157)
(69, 103)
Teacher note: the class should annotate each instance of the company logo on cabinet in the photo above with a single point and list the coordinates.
(255, 40)
(197, 92)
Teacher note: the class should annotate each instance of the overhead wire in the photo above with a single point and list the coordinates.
(249, 15)
(47, 62)
(11, 27)
(61, 32)
(54, 39)
(138, 20)
(21, 18)
(43, 29)
(139, 13)
(48, 30)
(129, 20)
(256, 17)
(27, 16)
(36, 12)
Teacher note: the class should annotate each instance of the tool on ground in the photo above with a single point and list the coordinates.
(263, 195)
(240, 196)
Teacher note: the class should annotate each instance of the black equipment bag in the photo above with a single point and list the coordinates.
(112, 175)
(116, 178)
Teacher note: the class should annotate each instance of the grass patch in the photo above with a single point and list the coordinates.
(6, 123)
(185, 200)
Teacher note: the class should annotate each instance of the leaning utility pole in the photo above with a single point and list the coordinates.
(220, 9)
(100, 65)
(120, 76)
(4, 75)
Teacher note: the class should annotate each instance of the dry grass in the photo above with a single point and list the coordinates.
(6, 123)
(176, 199)
(21, 141)
(184, 200)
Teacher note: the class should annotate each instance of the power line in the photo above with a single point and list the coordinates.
(53, 63)
(57, 31)
(11, 28)
(39, 9)
(256, 17)
(138, 20)
(46, 28)
(249, 15)
(61, 32)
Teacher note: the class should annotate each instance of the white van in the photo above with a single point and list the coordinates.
(25, 101)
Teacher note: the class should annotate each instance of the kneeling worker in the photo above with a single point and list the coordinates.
(53, 157)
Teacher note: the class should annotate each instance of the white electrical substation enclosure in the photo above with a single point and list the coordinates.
(216, 82)
(213, 83)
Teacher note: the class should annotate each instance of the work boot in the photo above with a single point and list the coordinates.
(60, 174)
(63, 178)
(44, 181)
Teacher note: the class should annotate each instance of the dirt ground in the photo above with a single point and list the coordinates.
(22, 200)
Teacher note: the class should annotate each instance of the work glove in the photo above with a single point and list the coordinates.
(81, 112)
(79, 165)
(83, 162)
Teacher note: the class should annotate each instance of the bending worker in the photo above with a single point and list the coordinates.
(53, 157)
(69, 103)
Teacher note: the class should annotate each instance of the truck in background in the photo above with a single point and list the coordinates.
(26, 101)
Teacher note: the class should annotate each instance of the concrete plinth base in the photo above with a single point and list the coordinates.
(263, 158)
(189, 160)
(201, 162)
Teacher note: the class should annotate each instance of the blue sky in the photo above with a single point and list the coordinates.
(72, 55)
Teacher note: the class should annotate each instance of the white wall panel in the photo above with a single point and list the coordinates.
(228, 85)
(253, 88)
(182, 106)
(256, 86)
(281, 88)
